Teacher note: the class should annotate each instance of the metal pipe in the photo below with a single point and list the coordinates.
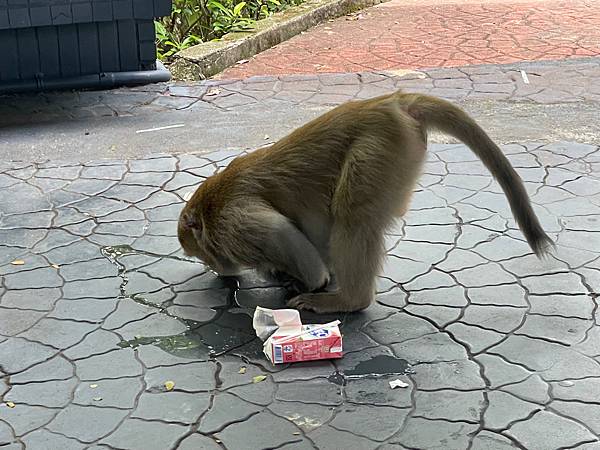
(106, 80)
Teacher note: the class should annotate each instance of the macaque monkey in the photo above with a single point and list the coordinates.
(317, 203)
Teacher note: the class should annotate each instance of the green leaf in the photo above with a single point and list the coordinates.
(189, 41)
(159, 27)
(238, 8)
(218, 6)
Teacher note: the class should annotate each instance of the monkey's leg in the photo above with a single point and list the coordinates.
(362, 208)
(356, 257)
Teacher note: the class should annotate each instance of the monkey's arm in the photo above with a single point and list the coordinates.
(284, 248)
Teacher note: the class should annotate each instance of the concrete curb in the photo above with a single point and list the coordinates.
(207, 59)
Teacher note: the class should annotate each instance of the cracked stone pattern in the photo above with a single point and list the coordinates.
(569, 81)
(499, 350)
(405, 35)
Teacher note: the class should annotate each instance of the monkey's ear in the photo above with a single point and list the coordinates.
(190, 221)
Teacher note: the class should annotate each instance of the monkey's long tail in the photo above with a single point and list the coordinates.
(444, 116)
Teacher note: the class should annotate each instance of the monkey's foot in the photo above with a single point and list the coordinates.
(322, 303)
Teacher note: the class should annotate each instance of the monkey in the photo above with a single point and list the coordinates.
(317, 203)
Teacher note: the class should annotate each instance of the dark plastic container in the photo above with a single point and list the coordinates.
(72, 44)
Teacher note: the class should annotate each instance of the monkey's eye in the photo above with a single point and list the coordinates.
(189, 221)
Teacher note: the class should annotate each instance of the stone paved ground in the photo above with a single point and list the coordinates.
(499, 350)
(99, 308)
(404, 34)
(561, 102)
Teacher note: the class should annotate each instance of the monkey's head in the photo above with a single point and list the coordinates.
(185, 233)
(190, 234)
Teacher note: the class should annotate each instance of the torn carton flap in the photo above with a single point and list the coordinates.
(287, 340)
(268, 321)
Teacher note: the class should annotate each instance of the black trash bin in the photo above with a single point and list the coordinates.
(73, 44)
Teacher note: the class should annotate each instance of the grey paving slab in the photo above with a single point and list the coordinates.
(548, 430)
(29, 123)
(498, 350)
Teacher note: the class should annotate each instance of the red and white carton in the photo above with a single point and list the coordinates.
(290, 341)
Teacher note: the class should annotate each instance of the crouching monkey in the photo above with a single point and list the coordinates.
(318, 201)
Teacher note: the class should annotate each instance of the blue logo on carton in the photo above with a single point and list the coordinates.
(322, 333)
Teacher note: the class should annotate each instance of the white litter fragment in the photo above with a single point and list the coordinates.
(566, 383)
(525, 77)
(167, 127)
(398, 384)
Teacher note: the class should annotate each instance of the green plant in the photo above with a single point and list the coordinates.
(195, 21)
(169, 42)
(182, 29)
(228, 17)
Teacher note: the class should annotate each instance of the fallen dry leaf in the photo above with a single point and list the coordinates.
(18, 262)
(169, 385)
(259, 378)
(56, 266)
(404, 72)
(213, 91)
(355, 16)
(242, 370)
(10, 404)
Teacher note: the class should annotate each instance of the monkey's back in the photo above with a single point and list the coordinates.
(304, 167)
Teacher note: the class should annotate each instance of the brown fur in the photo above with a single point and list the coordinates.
(318, 201)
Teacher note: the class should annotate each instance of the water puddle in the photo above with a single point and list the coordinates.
(378, 366)
(230, 328)
(375, 367)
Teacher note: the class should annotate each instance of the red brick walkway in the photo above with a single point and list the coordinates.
(396, 35)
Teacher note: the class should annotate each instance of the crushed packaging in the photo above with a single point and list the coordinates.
(287, 340)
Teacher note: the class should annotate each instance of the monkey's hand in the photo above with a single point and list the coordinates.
(324, 302)
(284, 279)
(277, 275)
